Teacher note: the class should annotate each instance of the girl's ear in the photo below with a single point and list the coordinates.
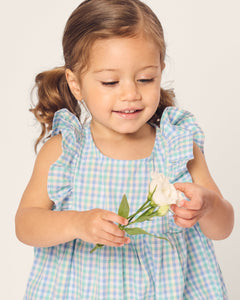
(163, 65)
(73, 84)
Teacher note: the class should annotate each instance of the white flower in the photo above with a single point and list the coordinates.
(165, 192)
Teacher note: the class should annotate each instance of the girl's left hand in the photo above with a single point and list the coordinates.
(188, 213)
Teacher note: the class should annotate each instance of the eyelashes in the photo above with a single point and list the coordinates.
(113, 83)
(146, 80)
(109, 83)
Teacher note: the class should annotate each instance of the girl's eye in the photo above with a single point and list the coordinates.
(146, 80)
(109, 83)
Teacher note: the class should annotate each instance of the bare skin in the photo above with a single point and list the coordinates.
(121, 89)
(37, 225)
(207, 206)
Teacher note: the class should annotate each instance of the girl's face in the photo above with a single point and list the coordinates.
(121, 87)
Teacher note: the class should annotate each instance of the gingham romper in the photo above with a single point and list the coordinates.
(147, 268)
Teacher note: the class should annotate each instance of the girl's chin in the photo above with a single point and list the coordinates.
(130, 129)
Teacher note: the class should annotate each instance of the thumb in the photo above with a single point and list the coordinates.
(187, 188)
(190, 191)
(184, 187)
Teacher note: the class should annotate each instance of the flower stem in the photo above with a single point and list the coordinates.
(96, 247)
(145, 211)
(138, 211)
(140, 218)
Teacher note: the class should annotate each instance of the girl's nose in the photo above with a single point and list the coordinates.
(130, 92)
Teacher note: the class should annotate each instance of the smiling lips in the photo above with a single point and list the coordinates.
(128, 113)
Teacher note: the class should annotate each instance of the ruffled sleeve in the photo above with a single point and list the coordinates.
(180, 130)
(61, 173)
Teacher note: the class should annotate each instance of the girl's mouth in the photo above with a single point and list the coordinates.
(128, 113)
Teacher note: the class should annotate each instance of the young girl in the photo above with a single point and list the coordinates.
(114, 56)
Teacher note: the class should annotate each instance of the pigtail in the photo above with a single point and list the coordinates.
(167, 98)
(90, 21)
(53, 94)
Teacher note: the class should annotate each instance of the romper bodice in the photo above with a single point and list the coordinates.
(147, 268)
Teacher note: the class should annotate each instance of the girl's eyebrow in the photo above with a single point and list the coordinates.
(114, 70)
(104, 70)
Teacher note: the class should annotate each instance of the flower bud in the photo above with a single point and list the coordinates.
(150, 211)
(163, 210)
(153, 204)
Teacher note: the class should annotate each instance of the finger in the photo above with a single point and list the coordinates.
(111, 216)
(192, 192)
(185, 223)
(113, 229)
(194, 204)
(109, 243)
(185, 187)
(114, 239)
(184, 213)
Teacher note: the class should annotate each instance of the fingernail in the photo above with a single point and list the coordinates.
(181, 203)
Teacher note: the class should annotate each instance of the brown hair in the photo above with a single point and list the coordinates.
(92, 20)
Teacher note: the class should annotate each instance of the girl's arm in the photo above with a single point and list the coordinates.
(37, 225)
(207, 205)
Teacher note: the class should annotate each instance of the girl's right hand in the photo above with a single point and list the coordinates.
(37, 225)
(98, 226)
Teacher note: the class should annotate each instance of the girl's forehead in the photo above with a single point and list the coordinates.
(140, 36)
(118, 53)
(116, 45)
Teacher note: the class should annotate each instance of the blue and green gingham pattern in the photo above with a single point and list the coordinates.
(148, 268)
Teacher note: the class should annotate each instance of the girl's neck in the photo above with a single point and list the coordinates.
(126, 146)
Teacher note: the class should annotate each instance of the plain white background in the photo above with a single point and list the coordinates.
(203, 64)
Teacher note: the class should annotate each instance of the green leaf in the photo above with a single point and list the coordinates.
(142, 219)
(136, 231)
(123, 210)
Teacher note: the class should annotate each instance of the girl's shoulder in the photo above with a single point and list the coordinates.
(69, 127)
(62, 146)
(175, 116)
(178, 124)
(180, 131)
(67, 133)
(65, 122)
(50, 151)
